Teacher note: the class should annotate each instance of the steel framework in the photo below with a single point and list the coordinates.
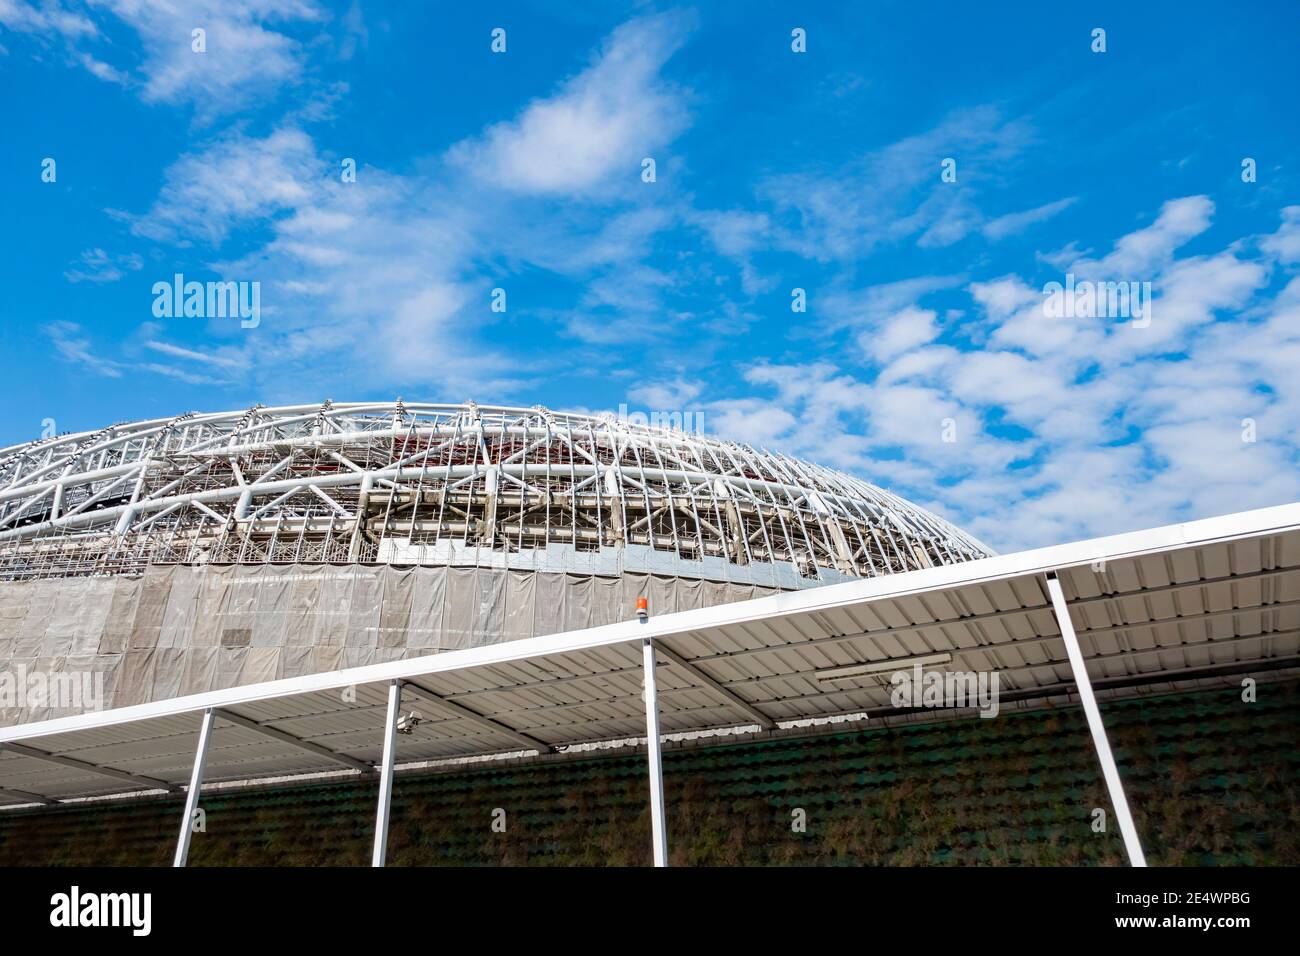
(420, 483)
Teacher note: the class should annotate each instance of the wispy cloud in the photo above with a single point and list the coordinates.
(98, 266)
(46, 18)
(204, 358)
(601, 123)
(896, 193)
(1059, 429)
(74, 346)
(405, 263)
(243, 52)
(234, 181)
(1014, 223)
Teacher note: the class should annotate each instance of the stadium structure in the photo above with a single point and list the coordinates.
(337, 535)
(306, 592)
(453, 485)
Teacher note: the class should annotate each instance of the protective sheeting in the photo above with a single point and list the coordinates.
(91, 643)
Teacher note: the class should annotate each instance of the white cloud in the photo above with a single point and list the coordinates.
(191, 355)
(864, 308)
(234, 181)
(901, 332)
(1189, 293)
(46, 18)
(101, 69)
(738, 235)
(98, 266)
(246, 55)
(1140, 253)
(676, 394)
(951, 217)
(74, 346)
(1070, 429)
(1004, 297)
(367, 282)
(1017, 222)
(180, 374)
(1064, 429)
(895, 193)
(600, 124)
(385, 281)
(1285, 243)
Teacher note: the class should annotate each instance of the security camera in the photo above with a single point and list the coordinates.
(406, 724)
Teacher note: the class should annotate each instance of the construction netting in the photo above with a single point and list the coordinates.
(70, 645)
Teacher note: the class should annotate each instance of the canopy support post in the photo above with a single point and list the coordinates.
(196, 784)
(1108, 768)
(386, 775)
(658, 825)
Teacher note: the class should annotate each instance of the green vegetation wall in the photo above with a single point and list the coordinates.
(1212, 780)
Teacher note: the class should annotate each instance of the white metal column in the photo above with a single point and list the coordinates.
(1108, 768)
(658, 827)
(386, 774)
(196, 784)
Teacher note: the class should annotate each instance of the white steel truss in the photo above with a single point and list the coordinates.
(334, 483)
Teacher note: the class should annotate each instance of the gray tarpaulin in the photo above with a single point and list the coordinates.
(184, 630)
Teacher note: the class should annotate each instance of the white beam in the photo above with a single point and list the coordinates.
(386, 775)
(1108, 768)
(196, 784)
(658, 822)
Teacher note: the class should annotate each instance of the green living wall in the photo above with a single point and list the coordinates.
(1212, 780)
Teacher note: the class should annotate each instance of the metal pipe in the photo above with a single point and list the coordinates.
(1108, 768)
(386, 775)
(196, 784)
(658, 821)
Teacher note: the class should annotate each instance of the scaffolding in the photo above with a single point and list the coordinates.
(398, 482)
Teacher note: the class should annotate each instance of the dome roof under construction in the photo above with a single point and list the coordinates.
(460, 485)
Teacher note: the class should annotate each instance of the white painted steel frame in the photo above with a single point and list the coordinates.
(658, 818)
(1100, 742)
(196, 787)
(211, 487)
(380, 852)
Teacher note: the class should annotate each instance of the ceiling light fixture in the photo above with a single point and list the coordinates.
(877, 667)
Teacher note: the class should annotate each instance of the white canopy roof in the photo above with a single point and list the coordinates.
(1176, 605)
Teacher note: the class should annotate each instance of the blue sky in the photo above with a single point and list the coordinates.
(924, 361)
